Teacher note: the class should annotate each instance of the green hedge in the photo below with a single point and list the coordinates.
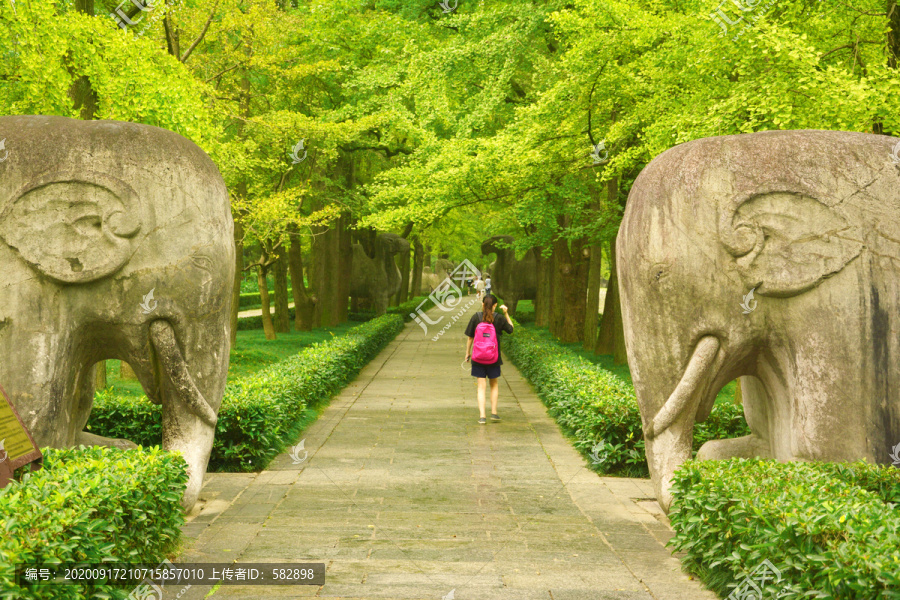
(260, 414)
(409, 307)
(246, 323)
(91, 505)
(252, 299)
(597, 408)
(404, 309)
(832, 530)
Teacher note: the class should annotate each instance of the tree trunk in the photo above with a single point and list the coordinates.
(418, 265)
(403, 261)
(126, 372)
(557, 299)
(403, 264)
(611, 336)
(893, 34)
(571, 279)
(544, 281)
(268, 325)
(84, 98)
(238, 276)
(304, 304)
(100, 382)
(328, 275)
(345, 269)
(594, 280)
(319, 268)
(282, 311)
(334, 275)
(592, 305)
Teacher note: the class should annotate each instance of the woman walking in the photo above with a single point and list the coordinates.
(483, 348)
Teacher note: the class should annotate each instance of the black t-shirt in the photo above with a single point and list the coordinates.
(500, 325)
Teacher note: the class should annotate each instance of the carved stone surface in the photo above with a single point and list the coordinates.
(431, 280)
(115, 243)
(378, 278)
(774, 257)
(512, 279)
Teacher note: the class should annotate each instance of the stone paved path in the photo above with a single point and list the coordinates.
(404, 495)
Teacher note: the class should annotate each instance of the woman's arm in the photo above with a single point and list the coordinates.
(508, 320)
(468, 347)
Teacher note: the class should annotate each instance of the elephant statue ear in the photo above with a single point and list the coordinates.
(73, 228)
(786, 242)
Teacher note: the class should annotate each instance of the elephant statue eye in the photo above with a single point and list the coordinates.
(658, 274)
(202, 262)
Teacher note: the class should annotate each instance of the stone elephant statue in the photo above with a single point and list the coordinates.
(511, 279)
(773, 257)
(432, 279)
(378, 278)
(116, 242)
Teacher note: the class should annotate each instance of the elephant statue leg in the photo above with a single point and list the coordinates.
(513, 302)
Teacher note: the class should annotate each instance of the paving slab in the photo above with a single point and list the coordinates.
(403, 495)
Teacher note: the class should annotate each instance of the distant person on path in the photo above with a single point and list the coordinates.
(479, 287)
(487, 284)
(483, 348)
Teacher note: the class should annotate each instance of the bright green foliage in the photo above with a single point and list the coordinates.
(468, 124)
(254, 352)
(599, 409)
(833, 531)
(43, 54)
(641, 76)
(91, 505)
(260, 414)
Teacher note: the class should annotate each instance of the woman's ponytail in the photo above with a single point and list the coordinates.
(489, 303)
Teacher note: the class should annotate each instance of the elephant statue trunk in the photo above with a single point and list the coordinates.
(772, 257)
(104, 255)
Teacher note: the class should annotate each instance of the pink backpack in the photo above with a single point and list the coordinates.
(484, 348)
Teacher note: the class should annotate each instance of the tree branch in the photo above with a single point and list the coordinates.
(390, 153)
(202, 33)
(222, 72)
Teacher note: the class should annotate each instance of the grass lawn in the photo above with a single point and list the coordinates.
(251, 353)
(604, 361)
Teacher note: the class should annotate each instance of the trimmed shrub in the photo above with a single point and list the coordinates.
(598, 409)
(832, 530)
(410, 306)
(404, 310)
(252, 299)
(247, 323)
(91, 505)
(260, 414)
